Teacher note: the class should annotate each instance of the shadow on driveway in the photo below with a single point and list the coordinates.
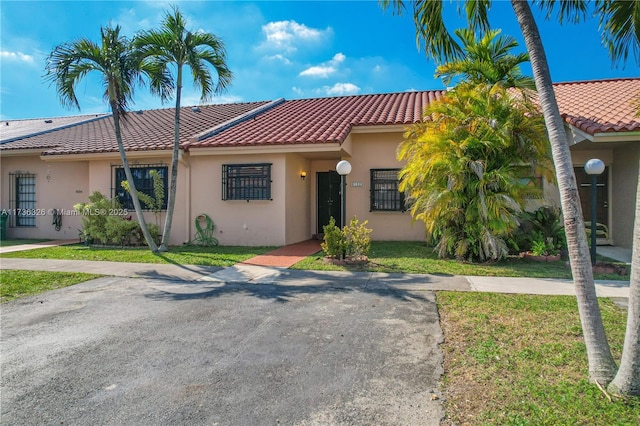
(302, 349)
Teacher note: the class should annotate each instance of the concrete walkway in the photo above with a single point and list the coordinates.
(33, 246)
(272, 268)
(255, 274)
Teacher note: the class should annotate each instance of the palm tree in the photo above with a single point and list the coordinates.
(469, 192)
(488, 60)
(68, 63)
(620, 22)
(174, 45)
(431, 30)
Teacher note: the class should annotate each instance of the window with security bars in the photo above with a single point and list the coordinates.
(246, 181)
(385, 195)
(22, 199)
(143, 179)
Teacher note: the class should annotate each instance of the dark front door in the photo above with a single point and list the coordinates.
(584, 189)
(328, 199)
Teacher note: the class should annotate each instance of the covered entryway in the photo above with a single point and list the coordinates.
(328, 193)
(602, 213)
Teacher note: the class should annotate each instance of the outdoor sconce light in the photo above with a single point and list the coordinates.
(303, 175)
(594, 167)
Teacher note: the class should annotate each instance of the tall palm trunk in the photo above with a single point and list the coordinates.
(627, 381)
(171, 201)
(132, 186)
(602, 367)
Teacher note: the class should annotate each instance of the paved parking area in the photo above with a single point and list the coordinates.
(117, 351)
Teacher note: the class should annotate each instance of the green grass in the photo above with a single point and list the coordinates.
(8, 243)
(407, 257)
(418, 258)
(18, 283)
(184, 255)
(521, 360)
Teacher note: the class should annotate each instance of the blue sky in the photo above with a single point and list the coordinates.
(275, 49)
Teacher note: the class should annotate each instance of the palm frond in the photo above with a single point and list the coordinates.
(620, 26)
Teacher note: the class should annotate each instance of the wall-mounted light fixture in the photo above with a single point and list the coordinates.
(303, 175)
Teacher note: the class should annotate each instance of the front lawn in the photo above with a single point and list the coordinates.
(418, 258)
(385, 256)
(521, 360)
(184, 255)
(18, 283)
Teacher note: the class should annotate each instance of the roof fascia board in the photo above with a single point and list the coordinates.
(380, 128)
(617, 137)
(44, 132)
(234, 121)
(20, 152)
(106, 155)
(278, 149)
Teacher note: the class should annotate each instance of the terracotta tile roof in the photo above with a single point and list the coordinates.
(592, 106)
(600, 106)
(323, 120)
(144, 130)
(17, 129)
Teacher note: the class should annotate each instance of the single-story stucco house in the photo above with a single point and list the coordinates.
(265, 171)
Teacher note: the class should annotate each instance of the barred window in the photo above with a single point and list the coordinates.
(143, 181)
(246, 181)
(22, 199)
(385, 195)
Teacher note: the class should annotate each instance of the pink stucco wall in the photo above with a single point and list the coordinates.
(291, 214)
(58, 186)
(377, 151)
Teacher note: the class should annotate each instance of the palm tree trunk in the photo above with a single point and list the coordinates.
(132, 186)
(602, 367)
(171, 201)
(627, 381)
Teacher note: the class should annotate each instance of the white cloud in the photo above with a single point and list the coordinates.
(279, 57)
(297, 90)
(284, 36)
(325, 69)
(341, 89)
(320, 71)
(16, 56)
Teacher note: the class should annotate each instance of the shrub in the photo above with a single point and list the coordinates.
(353, 241)
(333, 244)
(356, 239)
(100, 227)
(542, 225)
(94, 223)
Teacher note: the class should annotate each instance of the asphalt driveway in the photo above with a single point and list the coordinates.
(147, 351)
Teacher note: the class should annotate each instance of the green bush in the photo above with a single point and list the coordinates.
(333, 244)
(357, 240)
(99, 226)
(542, 226)
(94, 223)
(353, 241)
